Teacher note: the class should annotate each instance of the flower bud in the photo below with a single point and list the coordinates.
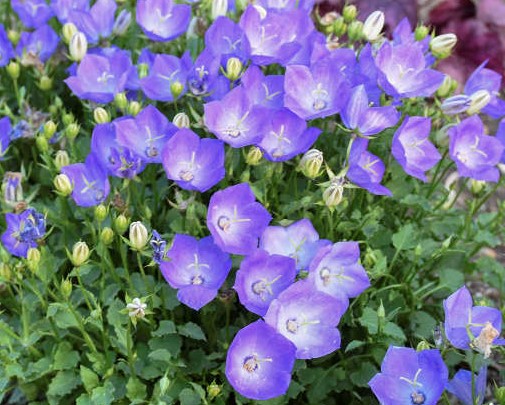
(69, 30)
(423, 345)
(219, 8)
(138, 235)
(446, 88)
(63, 185)
(333, 195)
(327, 21)
(181, 120)
(122, 22)
(176, 89)
(100, 213)
(349, 13)
(72, 131)
(5, 272)
(80, 254)
(134, 108)
(311, 162)
(442, 45)
(121, 101)
(78, 47)
(381, 312)
(45, 83)
(13, 70)
(101, 116)
(477, 186)
(373, 25)
(13, 36)
(121, 224)
(12, 188)
(339, 27)
(61, 159)
(355, 31)
(456, 104)
(136, 308)
(107, 235)
(49, 129)
(421, 32)
(67, 119)
(42, 144)
(213, 390)
(233, 69)
(66, 288)
(479, 100)
(254, 156)
(142, 70)
(33, 259)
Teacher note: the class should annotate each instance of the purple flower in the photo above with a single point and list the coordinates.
(225, 39)
(412, 148)
(162, 20)
(267, 91)
(403, 72)
(33, 13)
(308, 318)
(259, 362)
(365, 169)
(42, 43)
(197, 268)
(315, 92)
(286, 136)
(236, 220)
(23, 231)
(299, 240)
(91, 185)
(167, 73)
(6, 50)
(235, 120)
(5, 135)
(410, 377)
(367, 121)
(193, 163)
(159, 245)
(461, 386)
(500, 135)
(456, 104)
(468, 326)
(261, 278)
(145, 134)
(99, 78)
(62, 8)
(96, 23)
(335, 270)
(474, 153)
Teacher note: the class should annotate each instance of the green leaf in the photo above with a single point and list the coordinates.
(135, 389)
(452, 278)
(200, 391)
(162, 355)
(89, 378)
(362, 376)
(62, 384)
(192, 330)
(165, 328)
(370, 320)
(189, 397)
(65, 358)
(405, 238)
(61, 315)
(354, 345)
(103, 395)
(393, 330)
(423, 324)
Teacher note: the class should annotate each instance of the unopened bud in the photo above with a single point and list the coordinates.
(122, 22)
(233, 69)
(213, 390)
(78, 47)
(107, 235)
(63, 185)
(100, 213)
(80, 254)
(42, 144)
(349, 13)
(254, 156)
(421, 32)
(121, 224)
(381, 312)
(456, 104)
(333, 195)
(138, 235)
(66, 288)
(121, 101)
(328, 20)
(13, 36)
(477, 186)
(373, 26)
(479, 100)
(45, 83)
(176, 89)
(61, 159)
(72, 130)
(339, 27)
(355, 31)
(69, 30)
(181, 120)
(442, 45)
(446, 88)
(33, 255)
(134, 108)
(101, 116)
(67, 119)
(219, 8)
(311, 162)
(13, 70)
(136, 308)
(49, 129)
(423, 345)
(5, 272)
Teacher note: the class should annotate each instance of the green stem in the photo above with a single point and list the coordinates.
(141, 267)
(129, 348)
(83, 290)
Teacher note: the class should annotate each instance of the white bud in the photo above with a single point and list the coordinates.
(479, 100)
(219, 8)
(261, 11)
(373, 25)
(62, 184)
(442, 45)
(138, 235)
(137, 309)
(78, 46)
(181, 120)
(80, 254)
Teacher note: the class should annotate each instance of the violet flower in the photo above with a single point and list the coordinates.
(32, 13)
(308, 318)
(193, 163)
(336, 270)
(500, 135)
(206, 79)
(146, 133)
(23, 231)
(266, 91)
(299, 241)
(159, 246)
(5, 135)
(236, 220)
(162, 20)
(62, 8)
(412, 148)
(259, 362)
(225, 39)
(41, 43)
(261, 278)
(474, 153)
(197, 268)
(96, 23)
(461, 386)
(6, 49)
(90, 182)
(365, 169)
(468, 327)
(410, 377)
(367, 121)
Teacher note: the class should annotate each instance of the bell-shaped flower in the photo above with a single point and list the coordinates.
(266, 91)
(5, 135)
(193, 163)
(6, 49)
(96, 23)
(62, 8)
(23, 231)
(32, 13)
(225, 39)
(500, 135)
(261, 278)
(412, 148)
(159, 246)
(461, 386)
(474, 153)
(259, 362)
(205, 78)
(40, 43)
(162, 20)
(197, 268)
(308, 318)
(236, 220)
(410, 377)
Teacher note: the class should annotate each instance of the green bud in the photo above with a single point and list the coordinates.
(49, 129)
(42, 144)
(445, 88)
(100, 213)
(311, 162)
(349, 13)
(5, 272)
(442, 45)
(328, 19)
(479, 100)
(33, 255)
(45, 83)
(72, 131)
(13, 70)
(107, 235)
(355, 31)
(181, 120)
(121, 224)
(121, 101)
(63, 185)
(100, 115)
(477, 186)
(213, 390)
(421, 32)
(176, 89)
(233, 69)
(333, 195)
(13, 36)
(143, 70)
(134, 108)
(254, 156)
(66, 288)
(67, 119)
(68, 31)
(61, 159)
(423, 345)
(499, 393)
(339, 27)
(138, 235)
(80, 254)
(381, 312)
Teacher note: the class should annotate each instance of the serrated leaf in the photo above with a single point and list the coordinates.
(354, 345)
(135, 389)
(65, 358)
(199, 390)
(423, 324)
(165, 328)
(189, 397)
(89, 378)
(103, 395)
(405, 238)
(61, 315)
(160, 355)
(370, 320)
(393, 330)
(362, 376)
(62, 384)
(192, 330)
